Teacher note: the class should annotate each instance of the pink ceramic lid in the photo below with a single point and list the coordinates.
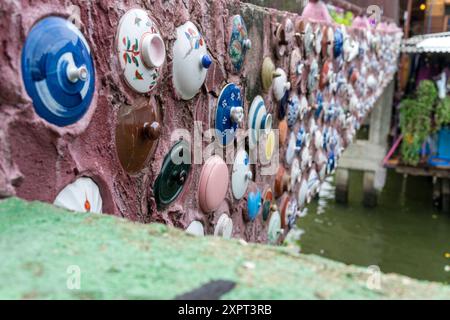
(213, 185)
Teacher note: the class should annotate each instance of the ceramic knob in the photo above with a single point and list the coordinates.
(83, 195)
(282, 182)
(213, 184)
(173, 175)
(224, 227)
(196, 229)
(190, 61)
(291, 148)
(58, 71)
(229, 113)
(296, 173)
(137, 134)
(254, 205)
(280, 84)
(259, 121)
(141, 50)
(242, 175)
(267, 199)
(274, 231)
(268, 74)
(239, 43)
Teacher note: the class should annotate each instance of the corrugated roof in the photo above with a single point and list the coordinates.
(429, 43)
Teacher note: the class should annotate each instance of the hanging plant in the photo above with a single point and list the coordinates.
(415, 121)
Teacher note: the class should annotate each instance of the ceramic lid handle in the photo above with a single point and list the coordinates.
(74, 73)
(205, 61)
(153, 51)
(248, 43)
(152, 130)
(237, 114)
(179, 176)
(249, 175)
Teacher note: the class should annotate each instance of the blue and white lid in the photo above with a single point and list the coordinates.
(58, 71)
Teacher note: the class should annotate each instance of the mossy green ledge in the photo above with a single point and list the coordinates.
(119, 259)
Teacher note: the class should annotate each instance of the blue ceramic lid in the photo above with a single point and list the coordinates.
(58, 71)
(283, 104)
(229, 113)
(338, 42)
(293, 110)
(254, 204)
(319, 101)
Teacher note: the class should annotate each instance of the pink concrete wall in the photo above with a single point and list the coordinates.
(37, 159)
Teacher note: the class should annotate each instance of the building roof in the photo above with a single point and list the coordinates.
(429, 43)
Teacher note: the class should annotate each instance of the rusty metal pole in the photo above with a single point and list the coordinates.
(408, 20)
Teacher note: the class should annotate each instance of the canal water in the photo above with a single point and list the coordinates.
(405, 234)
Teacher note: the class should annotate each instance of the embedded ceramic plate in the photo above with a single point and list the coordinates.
(213, 184)
(196, 229)
(313, 77)
(296, 173)
(293, 110)
(58, 71)
(296, 68)
(83, 195)
(242, 175)
(224, 227)
(290, 151)
(308, 39)
(254, 205)
(229, 113)
(267, 203)
(282, 182)
(173, 175)
(259, 121)
(268, 73)
(137, 134)
(318, 36)
(274, 231)
(190, 61)
(239, 43)
(141, 50)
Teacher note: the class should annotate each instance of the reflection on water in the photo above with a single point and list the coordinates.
(404, 234)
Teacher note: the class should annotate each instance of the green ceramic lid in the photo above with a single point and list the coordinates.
(174, 173)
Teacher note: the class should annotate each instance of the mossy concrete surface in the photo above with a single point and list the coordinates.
(119, 259)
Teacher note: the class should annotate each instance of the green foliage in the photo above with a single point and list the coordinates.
(442, 116)
(415, 121)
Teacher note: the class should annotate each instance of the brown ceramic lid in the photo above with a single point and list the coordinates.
(283, 131)
(282, 182)
(324, 75)
(137, 135)
(284, 203)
